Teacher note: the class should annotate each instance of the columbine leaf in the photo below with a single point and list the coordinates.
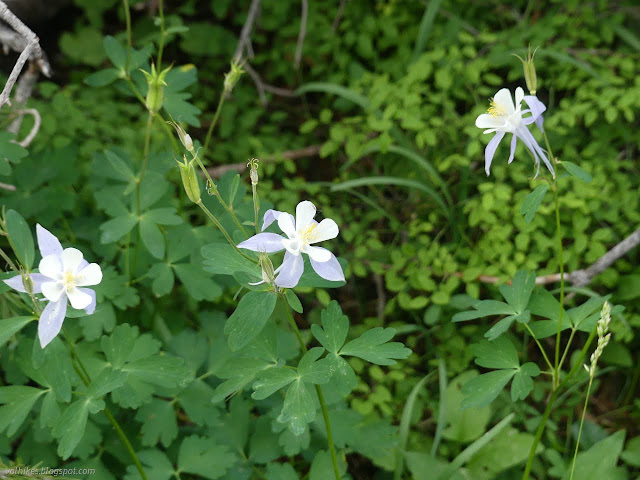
(223, 259)
(159, 422)
(372, 346)
(17, 403)
(532, 202)
(249, 318)
(10, 326)
(485, 308)
(70, 427)
(196, 282)
(299, 407)
(20, 238)
(343, 376)
(335, 327)
(152, 237)
(576, 171)
(522, 382)
(271, 380)
(204, 458)
(497, 354)
(519, 292)
(312, 370)
(483, 389)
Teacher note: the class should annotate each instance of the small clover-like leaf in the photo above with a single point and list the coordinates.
(374, 346)
(335, 327)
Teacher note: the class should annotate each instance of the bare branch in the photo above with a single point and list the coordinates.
(302, 33)
(309, 151)
(17, 68)
(265, 87)
(26, 37)
(245, 34)
(24, 88)
(336, 21)
(6, 186)
(37, 121)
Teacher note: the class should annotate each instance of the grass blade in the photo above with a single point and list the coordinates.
(442, 406)
(472, 449)
(405, 425)
(425, 27)
(402, 182)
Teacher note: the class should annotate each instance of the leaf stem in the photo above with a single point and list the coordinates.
(561, 261)
(544, 354)
(214, 121)
(323, 405)
(127, 18)
(223, 230)
(162, 34)
(86, 379)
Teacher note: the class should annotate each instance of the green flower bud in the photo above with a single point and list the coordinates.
(156, 84)
(231, 78)
(268, 274)
(190, 180)
(253, 172)
(185, 138)
(529, 71)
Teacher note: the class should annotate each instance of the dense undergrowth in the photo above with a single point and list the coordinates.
(376, 126)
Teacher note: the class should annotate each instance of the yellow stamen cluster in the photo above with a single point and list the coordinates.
(495, 109)
(69, 280)
(308, 234)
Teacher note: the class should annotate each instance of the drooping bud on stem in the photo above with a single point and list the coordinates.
(231, 78)
(253, 170)
(530, 71)
(268, 274)
(190, 180)
(185, 138)
(156, 84)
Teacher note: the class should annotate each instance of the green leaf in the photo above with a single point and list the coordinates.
(249, 318)
(106, 382)
(322, 466)
(102, 78)
(196, 282)
(293, 300)
(205, 458)
(17, 403)
(162, 370)
(532, 202)
(116, 228)
(600, 461)
(519, 292)
(342, 375)
(463, 425)
(120, 167)
(156, 466)
(484, 389)
(10, 326)
(163, 277)
(522, 382)
(20, 238)
(576, 171)
(159, 422)
(372, 346)
(281, 471)
(506, 450)
(223, 259)
(484, 308)
(115, 51)
(271, 380)
(299, 408)
(163, 216)
(312, 370)
(152, 237)
(497, 354)
(334, 330)
(70, 427)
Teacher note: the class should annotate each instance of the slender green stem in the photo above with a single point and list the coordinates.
(544, 354)
(162, 34)
(223, 230)
(256, 205)
(86, 379)
(566, 349)
(143, 170)
(9, 261)
(214, 121)
(561, 261)
(323, 405)
(584, 411)
(552, 399)
(127, 17)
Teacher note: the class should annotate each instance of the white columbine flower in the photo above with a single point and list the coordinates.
(504, 117)
(62, 274)
(302, 232)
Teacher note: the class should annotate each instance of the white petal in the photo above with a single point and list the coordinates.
(285, 222)
(71, 259)
(89, 309)
(329, 270)
(89, 275)
(52, 290)
(292, 246)
(519, 96)
(47, 242)
(326, 230)
(317, 253)
(489, 121)
(305, 211)
(36, 279)
(271, 216)
(503, 99)
(51, 321)
(51, 266)
(79, 299)
(263, 242)
(292, 268)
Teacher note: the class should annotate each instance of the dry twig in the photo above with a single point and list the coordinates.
(302, 33)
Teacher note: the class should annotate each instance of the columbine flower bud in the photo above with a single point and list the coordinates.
(190, 180)
(185, 138)
(253, 172)
(268, 274)
(530, 71)
(231, 78)
(156, 84)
